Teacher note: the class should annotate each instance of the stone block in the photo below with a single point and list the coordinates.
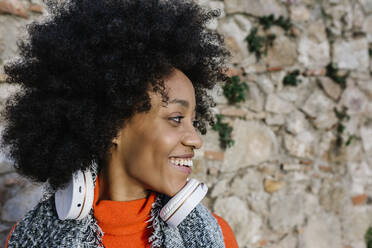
(265, 84)
(289, 241)
(332, 197)
(332, 89)
(254, 143)
(220, 188)
(355, 221)
(13, 7)
(359, 199)
(367, 27)
(278, 105)
(246, 225)
(299, 13)
(233, 111)
(272, 186)
(352, 55)
(367, 6)
(214, 155)
(249, 183)
(327, 120)
(366, 87)
(296, 122)
(255, 99)
(37, 8)
(286, 211)
(366, 135)
(254, 7)
(301, 145)
(274, 119)
(355, 100)
(282, 53)
(321, 231)
(316, 31)
(236, 29)
(313, 54)
(360, 174)
(317, 103)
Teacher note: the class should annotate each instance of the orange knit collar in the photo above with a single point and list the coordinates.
(122, 218)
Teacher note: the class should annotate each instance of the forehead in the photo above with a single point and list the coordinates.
(179, 86)
(180, 91)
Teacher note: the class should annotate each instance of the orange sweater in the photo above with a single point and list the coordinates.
(124, 223)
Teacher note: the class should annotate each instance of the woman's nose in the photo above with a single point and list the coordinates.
(192, 138)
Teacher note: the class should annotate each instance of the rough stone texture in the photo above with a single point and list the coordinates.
(254, 143)
(277, 105)
(355, 100)
(316, 232)
(367, 6)
(288, 242)
(257, 8)
(366, 134)
(283, 53)
(332, 89)
(351, 54)
(286, 211)
(286, 183)
(314, 48)
(236, 30)
(13, 7)
(296, 122)
(246, 220)
(367, 27)
(302, 145)
(317, 103)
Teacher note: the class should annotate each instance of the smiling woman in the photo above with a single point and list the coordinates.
(140, 159)
(114, 99)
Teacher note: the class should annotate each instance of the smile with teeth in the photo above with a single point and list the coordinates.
(182, 162)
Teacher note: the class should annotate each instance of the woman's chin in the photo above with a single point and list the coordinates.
(172, 191)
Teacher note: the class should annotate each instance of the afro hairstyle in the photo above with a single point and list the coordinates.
(86, 69)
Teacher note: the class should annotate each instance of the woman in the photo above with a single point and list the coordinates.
(117, 87)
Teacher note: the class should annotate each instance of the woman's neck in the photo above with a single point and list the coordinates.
(115, 185)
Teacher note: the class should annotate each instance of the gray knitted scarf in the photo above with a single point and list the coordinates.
(41, 228)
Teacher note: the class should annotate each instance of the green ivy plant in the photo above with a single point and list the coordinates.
(368, 238)
(291, 78)
(224, 131)
(333, 73)
(268, 21)
(258, 44)
(341, 116)
(234, 90)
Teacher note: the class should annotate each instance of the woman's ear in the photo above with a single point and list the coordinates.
(116, 140)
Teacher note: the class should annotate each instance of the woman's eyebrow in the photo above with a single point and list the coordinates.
(184, 103)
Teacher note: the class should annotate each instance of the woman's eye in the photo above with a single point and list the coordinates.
(177, 119)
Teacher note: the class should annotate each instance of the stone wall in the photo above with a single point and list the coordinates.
(300, 171)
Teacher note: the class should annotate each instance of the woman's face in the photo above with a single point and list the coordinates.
(147, 143)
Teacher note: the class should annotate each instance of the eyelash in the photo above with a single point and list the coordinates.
(194, 123)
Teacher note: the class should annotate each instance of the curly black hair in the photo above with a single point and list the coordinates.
(87, 68)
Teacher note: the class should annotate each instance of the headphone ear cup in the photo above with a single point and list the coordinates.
(76, 199)
(177, 208)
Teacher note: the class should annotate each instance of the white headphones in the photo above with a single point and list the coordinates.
(183, 202)
(76, 200)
